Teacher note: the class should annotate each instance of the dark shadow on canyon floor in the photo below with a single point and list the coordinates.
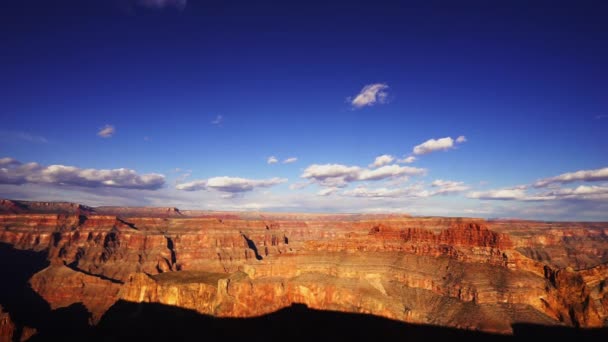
(27, 308)
(127, 321)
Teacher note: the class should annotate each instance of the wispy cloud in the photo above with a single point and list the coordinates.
(370, 95)
(218, 120)
(362, 191)
(290, 160)
(15, 172)
(272, 160)
(159, 4)
(230, 184)
(12, 136)
(445, 187)
(327, 191)
(601, 116)
(569, 177)
(298, 185)
(407, 160)
(106, 131)
(442, 144)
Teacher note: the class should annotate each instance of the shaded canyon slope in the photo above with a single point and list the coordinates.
(460, 274)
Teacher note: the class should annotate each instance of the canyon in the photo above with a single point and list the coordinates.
(462, 274)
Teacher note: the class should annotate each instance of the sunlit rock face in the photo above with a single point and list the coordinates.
(455, 272)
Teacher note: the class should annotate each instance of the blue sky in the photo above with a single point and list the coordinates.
(191, 99)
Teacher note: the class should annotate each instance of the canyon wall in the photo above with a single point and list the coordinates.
(456, 272)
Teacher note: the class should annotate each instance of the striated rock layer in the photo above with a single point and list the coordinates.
(456, 272)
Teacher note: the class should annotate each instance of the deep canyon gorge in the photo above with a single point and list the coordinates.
(80, 264)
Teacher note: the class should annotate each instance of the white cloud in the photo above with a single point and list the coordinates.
(230, 184)
(337, 175)
(388, 171)
(461, 139)
(581, 192)
(331, 175)
(218, 120)
(106, 131)
(369, 95)
(327, 191)
(433, 145)
(192, 186)
(290, 160)
(159, 4)
(582, 175)
(499, 194)
(382, 160)
(272, 160)
(407, 160)
(415, 190)
(446, 186)
(14, 172)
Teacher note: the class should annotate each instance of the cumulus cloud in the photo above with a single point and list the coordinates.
(388, 171)
(370, 95)
(159, 4)
(337, 175)
(442, 144)
(230, 184)
(14, 172)
(446, 186)
(582, 175)
(272, 160)
(407, 160)
(331, 175)
(106, 131)
(290, 160)
(433, 145)
(382, 160)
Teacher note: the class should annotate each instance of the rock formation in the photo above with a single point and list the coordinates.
(454, 272)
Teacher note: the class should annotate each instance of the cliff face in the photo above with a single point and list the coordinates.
(459, 272)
